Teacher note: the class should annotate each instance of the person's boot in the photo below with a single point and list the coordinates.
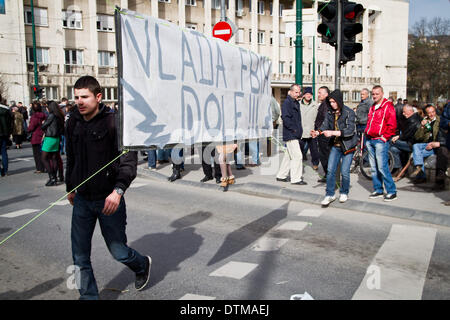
(51, 181)
(416, 172)
(176, 173)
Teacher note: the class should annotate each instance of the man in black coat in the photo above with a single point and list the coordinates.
(92, 143)
(323, 142)
(5, 132)
(404, 141)
(292, 133)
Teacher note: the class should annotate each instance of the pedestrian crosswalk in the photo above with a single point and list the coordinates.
(398, 270)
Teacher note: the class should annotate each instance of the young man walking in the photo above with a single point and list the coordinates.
(91, 143)
(381, 127)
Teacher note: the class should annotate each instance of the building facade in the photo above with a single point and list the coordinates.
(77, 37)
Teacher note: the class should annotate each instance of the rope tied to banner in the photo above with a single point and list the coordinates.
(64, 196)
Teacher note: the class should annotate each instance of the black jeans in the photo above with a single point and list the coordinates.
(37, 157)
(311, 144)
(442, 156)
(206, 162)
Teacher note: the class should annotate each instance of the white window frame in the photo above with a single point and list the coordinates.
(42, 55)
(106, 59)
(51, 93)
(40, 16)
(281, 9)
(239, 7)
(191, 3)
(356, 96)
(166, 1)
(215, 4)
(260, 7)
(345, 96)
(282, 39)
(105, 23)
(79, 56)
(261, 37)
(73, 19)
(281, 66)
(109, 94)
(70, 93)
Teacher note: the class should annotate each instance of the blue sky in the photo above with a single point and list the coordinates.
(428, 9)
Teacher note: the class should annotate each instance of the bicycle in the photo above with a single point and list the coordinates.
(361, 160)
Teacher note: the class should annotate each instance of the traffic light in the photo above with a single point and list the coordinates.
(328, 27)
(350, 28)
(38, 92)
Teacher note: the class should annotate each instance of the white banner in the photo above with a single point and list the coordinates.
(180, 86)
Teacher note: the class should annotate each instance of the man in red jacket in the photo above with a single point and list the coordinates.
(381, 126)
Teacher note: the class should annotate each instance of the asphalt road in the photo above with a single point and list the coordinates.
(214, 245)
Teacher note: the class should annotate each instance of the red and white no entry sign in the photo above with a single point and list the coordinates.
(222, 30)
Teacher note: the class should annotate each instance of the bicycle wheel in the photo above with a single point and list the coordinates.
(390, 161)
(364, 165)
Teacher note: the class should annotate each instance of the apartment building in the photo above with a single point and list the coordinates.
(77, 37)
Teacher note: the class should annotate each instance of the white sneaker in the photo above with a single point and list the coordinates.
(328, 200)
(343, 198)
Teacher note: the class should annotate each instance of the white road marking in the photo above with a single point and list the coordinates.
(234, 269)
(269, 244)
(399, 269)
(311, 213)
(191, 296)
(18, 213)
(293, 225)
(61, 203)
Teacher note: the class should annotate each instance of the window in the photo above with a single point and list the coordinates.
(191, 3)
(72, 19)
(191, 26)
(70, 93)
(109, 94)
(41, 55)
(239, 7)
(215, 4)
(271, 38)
(271, 8)
(291, 67)
(240, 36)
(73, 57)
(51, 93)
(166, 1)
(281, 9)
(356, 96)
(261, 7)
(40, 16)
(309, 68)
(105, 23)
(319, 68)
(327, 70)
(281, 66)
(345, 95)
(291, 41)
(359, 71)
(261, 37)
(106, 59)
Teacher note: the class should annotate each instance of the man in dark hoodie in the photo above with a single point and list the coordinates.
(91, 143)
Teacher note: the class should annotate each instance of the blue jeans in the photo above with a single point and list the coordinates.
(396, 148)
(163, 154)
(84, 217)
(253, 147)
(420, 153)
(379, 166)
(239, 156)
(335, 157)
(3, 141)
(151, 154)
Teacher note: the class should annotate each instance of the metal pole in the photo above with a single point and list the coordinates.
(223, 15)
(298, 44)
(314, 68)
(337, 72)
(34, 45)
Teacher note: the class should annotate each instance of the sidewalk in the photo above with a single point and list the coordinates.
(414, 202)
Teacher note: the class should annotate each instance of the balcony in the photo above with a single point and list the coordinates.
(111, 71)
(78, 69)
(43, 68)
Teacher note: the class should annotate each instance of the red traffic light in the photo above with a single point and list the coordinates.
(352, 10)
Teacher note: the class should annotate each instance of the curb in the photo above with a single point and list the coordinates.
(270, 191)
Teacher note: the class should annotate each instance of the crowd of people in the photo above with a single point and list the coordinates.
(410, 132)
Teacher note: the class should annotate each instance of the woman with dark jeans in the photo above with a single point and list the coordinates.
(53, 128)
(36, 121)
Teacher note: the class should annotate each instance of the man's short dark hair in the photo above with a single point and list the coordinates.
(378, 87)
(88, 82)
(325, 88)
(428, 106)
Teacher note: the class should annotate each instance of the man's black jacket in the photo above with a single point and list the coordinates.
(90, 145)
(410, 125)
(292, 119)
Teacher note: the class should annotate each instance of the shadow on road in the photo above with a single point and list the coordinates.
(243, 237)
(36, 291)
(167, 251)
